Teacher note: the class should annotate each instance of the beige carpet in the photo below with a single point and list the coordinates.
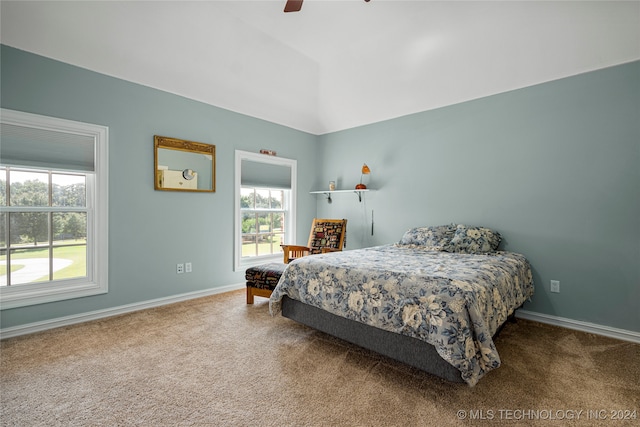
(217, 361)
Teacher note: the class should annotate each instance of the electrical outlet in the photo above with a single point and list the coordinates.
(180, 268)
(555, 286)
(187, 267)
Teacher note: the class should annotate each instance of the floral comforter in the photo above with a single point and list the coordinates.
(454, 301)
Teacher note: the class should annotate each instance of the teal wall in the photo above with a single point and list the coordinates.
(151, 231)
(554, 167)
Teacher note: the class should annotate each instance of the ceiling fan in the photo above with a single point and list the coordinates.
(296, 5)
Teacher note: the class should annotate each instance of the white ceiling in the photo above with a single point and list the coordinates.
(336, 64)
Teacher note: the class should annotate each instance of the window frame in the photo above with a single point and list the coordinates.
(290, 215)
(97, 201)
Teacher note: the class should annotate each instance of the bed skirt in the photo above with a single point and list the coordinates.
(409, 350)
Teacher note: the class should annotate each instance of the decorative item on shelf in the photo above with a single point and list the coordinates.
(365, 171)
(268, 152)
(332, 185)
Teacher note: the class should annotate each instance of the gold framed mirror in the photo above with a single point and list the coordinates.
(181, 165)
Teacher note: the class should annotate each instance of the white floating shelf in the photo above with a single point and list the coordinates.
(329, 192)
(338, 191)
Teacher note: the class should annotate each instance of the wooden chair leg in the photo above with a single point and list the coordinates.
(257, 292)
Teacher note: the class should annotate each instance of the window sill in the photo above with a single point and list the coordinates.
(25, 295)
(259, 260)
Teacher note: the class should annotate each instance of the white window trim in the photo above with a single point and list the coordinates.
(97, 230)
(290, 237)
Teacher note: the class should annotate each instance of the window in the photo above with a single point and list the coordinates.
(53, 209)
(44, 230)
(265, 207)
(264, 214)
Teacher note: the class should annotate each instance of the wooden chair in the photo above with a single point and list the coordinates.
(327, 235)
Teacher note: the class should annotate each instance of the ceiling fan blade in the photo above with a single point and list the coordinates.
(293, 6)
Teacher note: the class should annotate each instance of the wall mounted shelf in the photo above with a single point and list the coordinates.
(328, 193)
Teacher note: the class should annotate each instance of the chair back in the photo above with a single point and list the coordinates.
(327, 234)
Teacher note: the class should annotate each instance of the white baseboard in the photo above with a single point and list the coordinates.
(29, 328)
(592, 328)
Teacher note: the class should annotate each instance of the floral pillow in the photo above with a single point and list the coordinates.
(435, 237)
(473, 240)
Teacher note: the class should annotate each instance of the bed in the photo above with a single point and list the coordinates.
(434, 300)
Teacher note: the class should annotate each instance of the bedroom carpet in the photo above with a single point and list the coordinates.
(216, 361)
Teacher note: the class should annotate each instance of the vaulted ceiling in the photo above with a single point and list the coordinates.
(335, 64)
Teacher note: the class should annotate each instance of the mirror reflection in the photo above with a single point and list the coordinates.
(182, 165)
